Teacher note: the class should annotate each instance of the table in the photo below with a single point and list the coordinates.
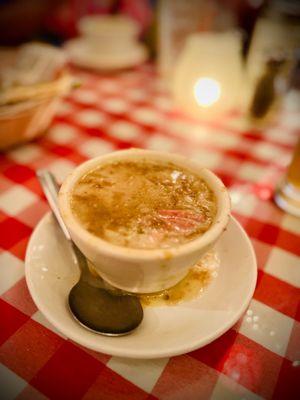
(258, 358)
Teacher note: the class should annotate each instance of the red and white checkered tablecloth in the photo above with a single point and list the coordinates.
(259, 358)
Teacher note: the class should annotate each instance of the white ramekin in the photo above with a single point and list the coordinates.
(139, 270)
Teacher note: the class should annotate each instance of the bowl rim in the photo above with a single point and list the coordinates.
(128, 253)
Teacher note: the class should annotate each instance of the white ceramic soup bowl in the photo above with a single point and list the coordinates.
(143, 270)
(108, 33)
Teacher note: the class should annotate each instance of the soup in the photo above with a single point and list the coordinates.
(143, 204)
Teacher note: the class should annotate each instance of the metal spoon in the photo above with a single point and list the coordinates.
(95, 304)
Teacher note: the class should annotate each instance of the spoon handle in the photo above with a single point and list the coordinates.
(50, 189)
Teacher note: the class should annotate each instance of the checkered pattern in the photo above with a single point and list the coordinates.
(259, 357)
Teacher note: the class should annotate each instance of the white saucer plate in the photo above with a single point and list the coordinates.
(165, 331)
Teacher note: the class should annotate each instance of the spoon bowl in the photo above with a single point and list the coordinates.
(104, 312)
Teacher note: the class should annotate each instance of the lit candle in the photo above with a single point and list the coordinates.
(207, 91)
(208, 75)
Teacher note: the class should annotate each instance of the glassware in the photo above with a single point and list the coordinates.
(287, 196)
(276, 33)
(203, 84)
(178, 19)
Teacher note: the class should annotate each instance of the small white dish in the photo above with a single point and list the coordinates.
(165, 331)
(79, 53)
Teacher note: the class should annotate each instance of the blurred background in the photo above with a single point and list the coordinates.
(265, 42)
(212, 60)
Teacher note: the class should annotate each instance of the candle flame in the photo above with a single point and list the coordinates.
(207, 91)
